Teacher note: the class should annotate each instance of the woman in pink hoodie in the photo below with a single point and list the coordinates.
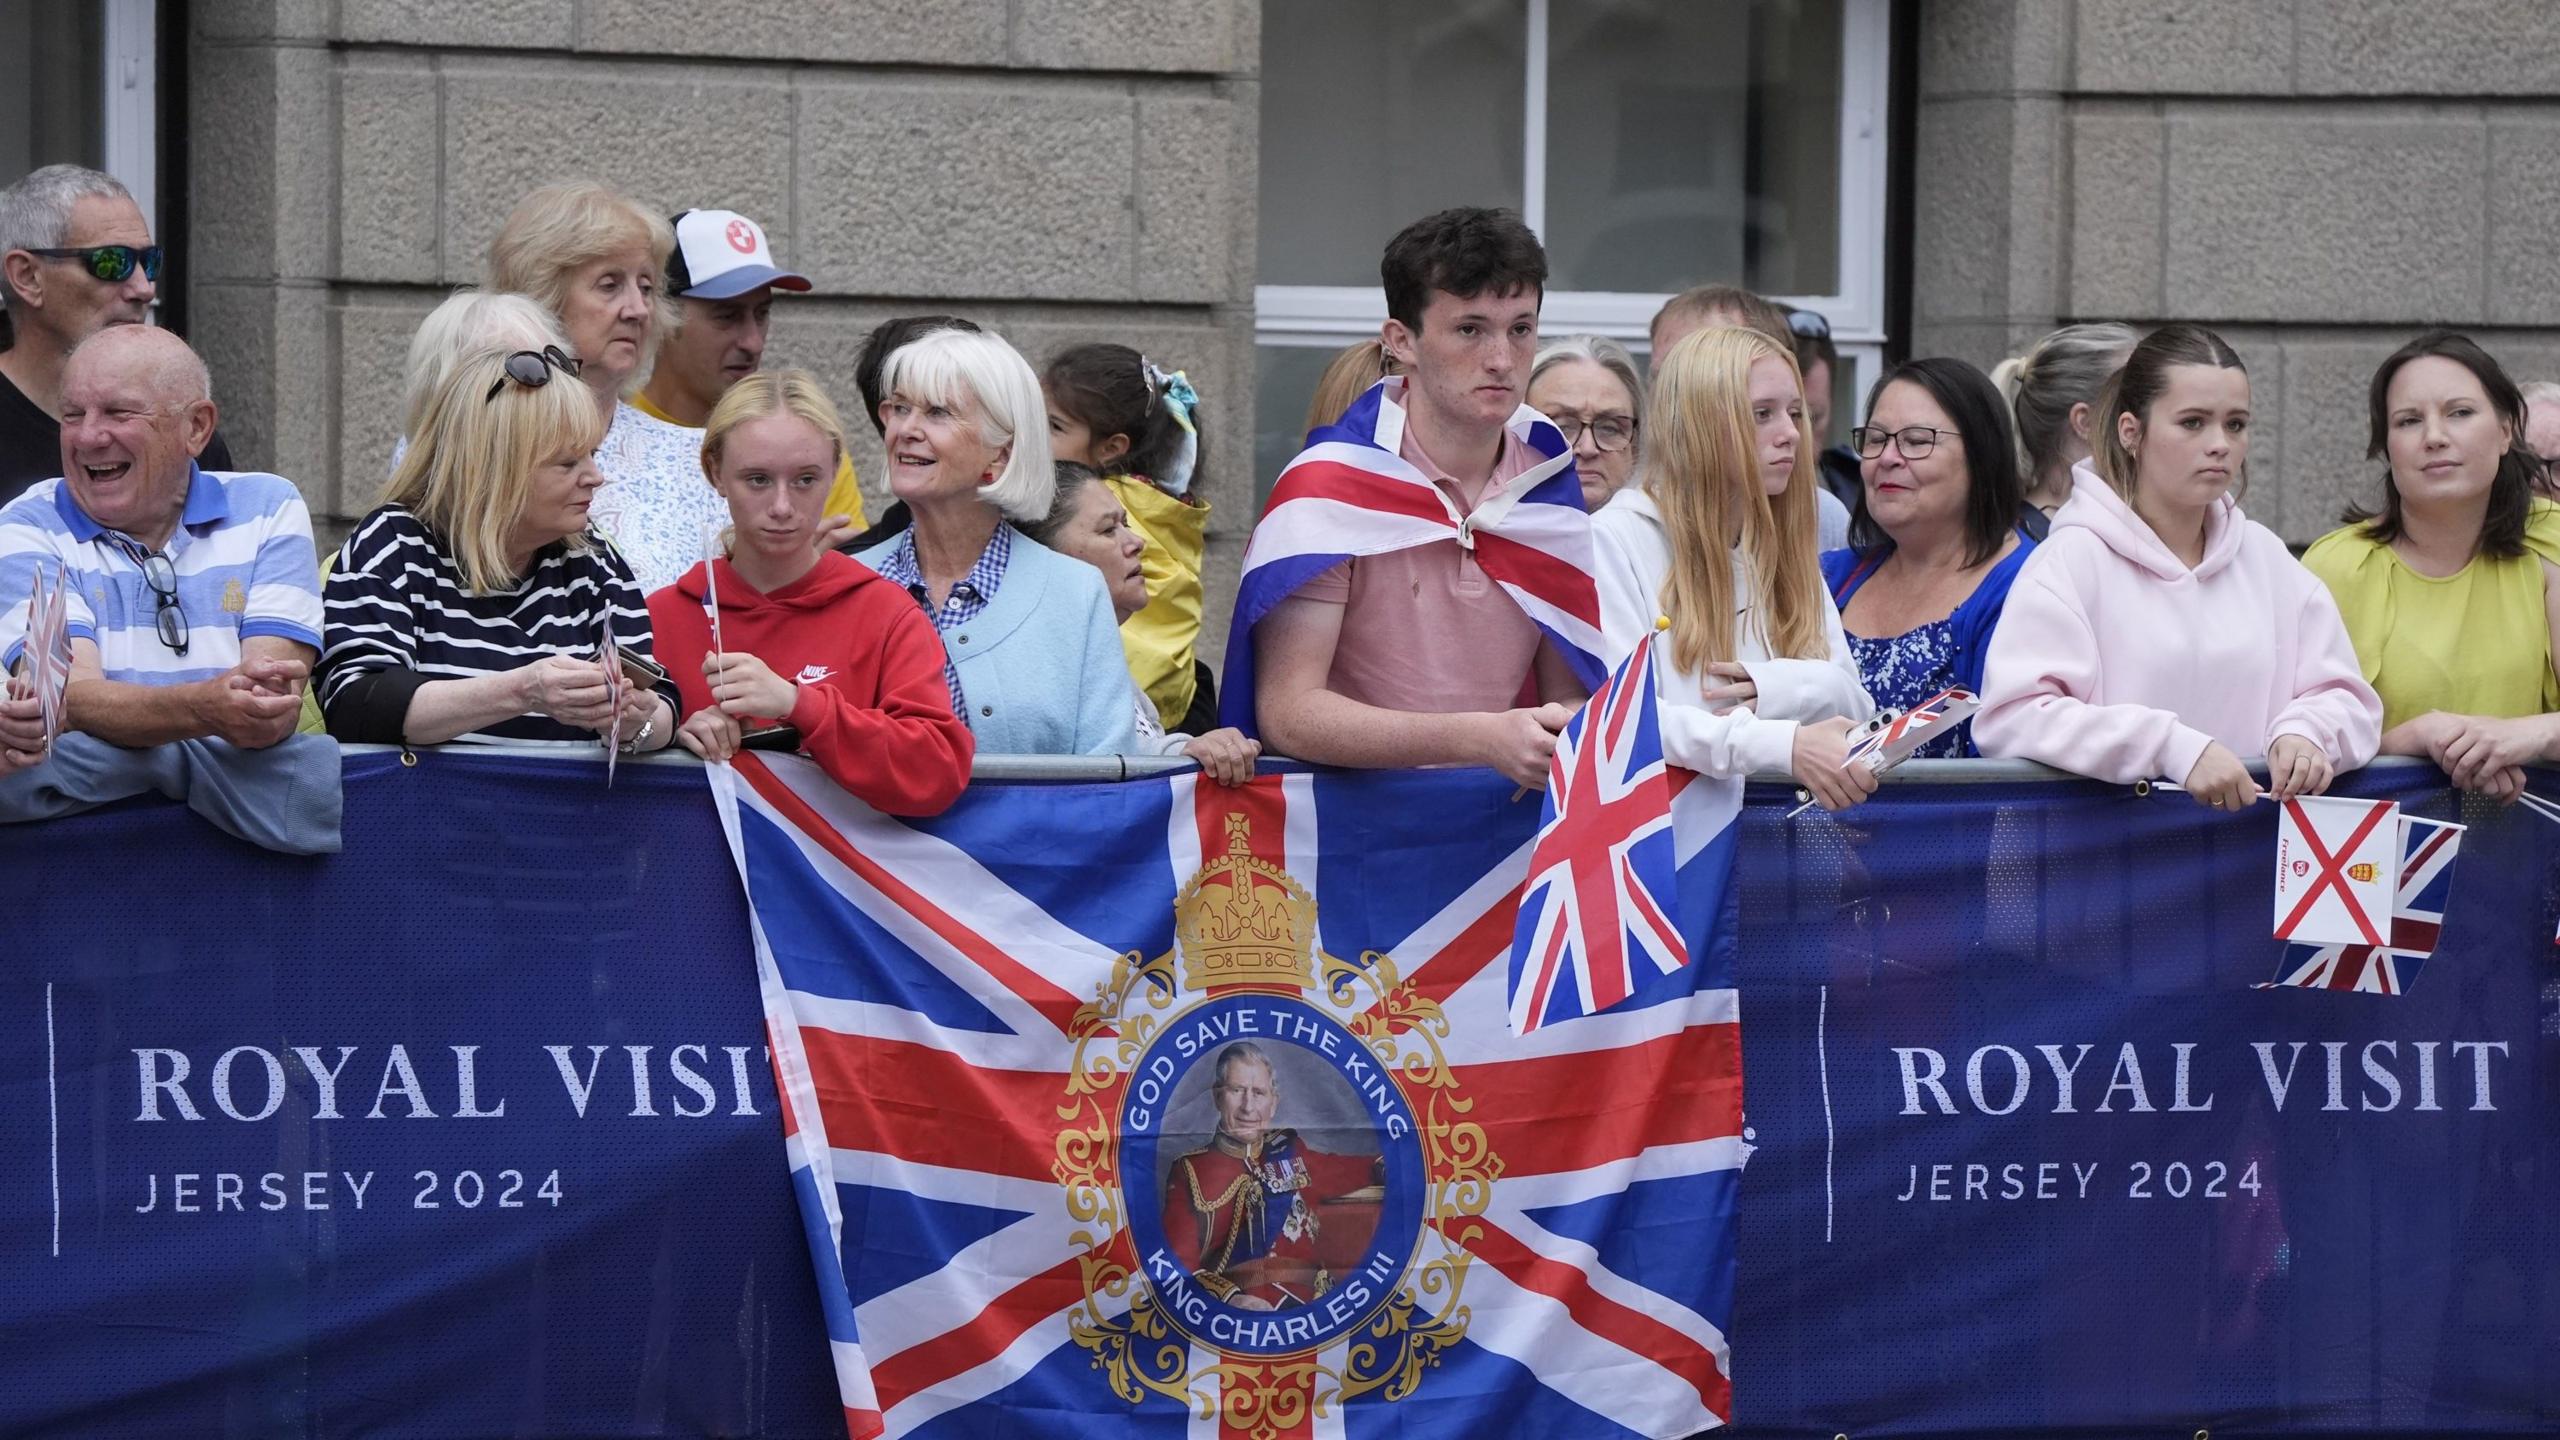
(2159, 633)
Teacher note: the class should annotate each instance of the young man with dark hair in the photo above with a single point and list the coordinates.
(1416, 592)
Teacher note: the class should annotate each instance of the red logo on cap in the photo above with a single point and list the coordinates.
(742, 237)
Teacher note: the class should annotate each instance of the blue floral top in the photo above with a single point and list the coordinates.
(1908, 668)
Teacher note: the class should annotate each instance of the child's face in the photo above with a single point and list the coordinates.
(1070, 438)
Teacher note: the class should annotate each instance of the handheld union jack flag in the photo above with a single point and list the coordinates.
(1893, 740)
(1598, 915)
(2427, 850)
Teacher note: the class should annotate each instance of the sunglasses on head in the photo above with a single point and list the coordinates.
(110, 263)
(532, 369)
(1809, 323)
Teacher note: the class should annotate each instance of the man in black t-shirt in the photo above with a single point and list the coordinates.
(75, 257)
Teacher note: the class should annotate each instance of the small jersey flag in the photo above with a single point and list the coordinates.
(2337, 867)
(2427, 850)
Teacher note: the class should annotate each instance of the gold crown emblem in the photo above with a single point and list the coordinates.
(1243, 921)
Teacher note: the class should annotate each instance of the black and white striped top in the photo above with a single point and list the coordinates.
(398, 617)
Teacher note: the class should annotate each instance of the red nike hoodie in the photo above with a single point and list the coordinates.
(874, 710)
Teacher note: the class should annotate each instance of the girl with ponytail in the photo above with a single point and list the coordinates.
(1116, 411)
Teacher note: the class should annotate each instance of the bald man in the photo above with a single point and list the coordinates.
(195, 595)
(2542, 430)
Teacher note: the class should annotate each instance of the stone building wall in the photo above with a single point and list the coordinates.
(1060, 170)
(2317, 179)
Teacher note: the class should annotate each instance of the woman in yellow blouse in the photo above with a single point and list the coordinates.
(2452, 589)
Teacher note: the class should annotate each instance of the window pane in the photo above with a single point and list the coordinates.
(1693, 141)
(51, 57)
(1284, 381)
(1375, 115)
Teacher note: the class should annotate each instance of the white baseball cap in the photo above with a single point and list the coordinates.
(720, 255)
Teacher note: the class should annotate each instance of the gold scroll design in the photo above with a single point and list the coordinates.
(1244, 922)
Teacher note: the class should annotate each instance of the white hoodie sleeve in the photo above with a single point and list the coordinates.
(1814, 689)
(2333, 706)
(2044, 659)
(1629, 597)
(1733, 744)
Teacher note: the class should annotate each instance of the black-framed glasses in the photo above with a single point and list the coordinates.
(1811, 324)
(159, 572)
(532, 369)
(1608, 432)
(1915, 441)
(110, 263)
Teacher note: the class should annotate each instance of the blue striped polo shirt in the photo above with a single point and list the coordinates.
(244, 562)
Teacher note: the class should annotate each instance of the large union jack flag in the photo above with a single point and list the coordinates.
(1349, 493)
(2427, 849)
(1599, 914)
(925, 982)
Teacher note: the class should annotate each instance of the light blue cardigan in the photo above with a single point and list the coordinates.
(1041, 668)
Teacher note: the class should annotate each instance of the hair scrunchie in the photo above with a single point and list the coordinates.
(1182, 403)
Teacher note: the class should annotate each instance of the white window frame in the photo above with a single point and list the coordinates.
(1336, 315)
(130, 97)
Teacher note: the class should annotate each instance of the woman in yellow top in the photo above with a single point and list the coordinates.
(2452, 590)
(1112, 409)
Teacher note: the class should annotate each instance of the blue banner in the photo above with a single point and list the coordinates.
(471, 1131)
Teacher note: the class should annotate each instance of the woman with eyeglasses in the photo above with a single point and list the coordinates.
(1588, 385)
(2451, 588)
(1935, 541)
(475, 603)
(2158, 633)
(594, 258)
(1715, 545)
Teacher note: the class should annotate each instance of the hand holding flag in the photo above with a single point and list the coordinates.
(1893, 736)
(609, 655)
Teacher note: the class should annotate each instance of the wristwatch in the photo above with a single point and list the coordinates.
(648, 727)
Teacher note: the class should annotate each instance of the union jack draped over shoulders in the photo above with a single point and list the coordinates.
(2427, 850)
(995, 1035)
(1349, 494)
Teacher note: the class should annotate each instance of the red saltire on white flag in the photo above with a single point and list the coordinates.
(2337, 867)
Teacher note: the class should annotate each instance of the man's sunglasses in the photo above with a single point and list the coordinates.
(161, 574)
(111, 263)
(532, 369)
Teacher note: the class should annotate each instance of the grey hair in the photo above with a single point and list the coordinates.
(1600, 350)
(978, 371)
(1072, 478)
(467, 322)
(35, 213)
(1238, 1053)
(2064, 369)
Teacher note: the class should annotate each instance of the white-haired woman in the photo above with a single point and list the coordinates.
(593, 257)
(473, 603)
(1588, 385)
(1035, 662)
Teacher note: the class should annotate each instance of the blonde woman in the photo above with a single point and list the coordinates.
(864, 696)
(1718, 538)
(1346, 378)
(471, 604)
(2052, 392)
(594, 258)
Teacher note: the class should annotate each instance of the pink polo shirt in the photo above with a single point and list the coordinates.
(1426, 628)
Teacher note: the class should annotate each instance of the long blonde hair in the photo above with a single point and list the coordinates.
(1700, 469)
(469, 469)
